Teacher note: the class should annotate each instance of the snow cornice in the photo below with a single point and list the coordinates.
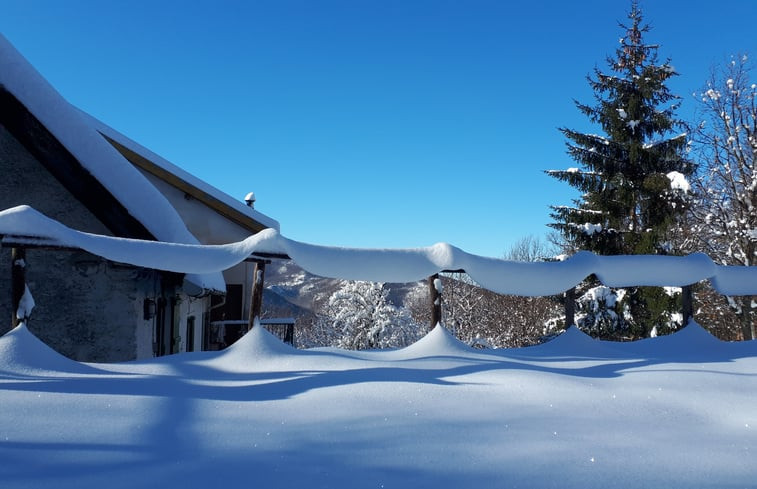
(394, 265)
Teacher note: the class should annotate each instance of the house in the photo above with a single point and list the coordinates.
(88, 176)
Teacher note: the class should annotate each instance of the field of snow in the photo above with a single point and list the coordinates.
(676, 411)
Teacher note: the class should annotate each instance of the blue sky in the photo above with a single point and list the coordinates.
(392, 123)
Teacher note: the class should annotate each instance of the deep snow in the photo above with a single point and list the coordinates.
(674, 411)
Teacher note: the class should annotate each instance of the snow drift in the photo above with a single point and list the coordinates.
(23, 354)
(575, 412)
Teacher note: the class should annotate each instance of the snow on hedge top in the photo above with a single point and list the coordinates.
(96, 155)
(394, 265)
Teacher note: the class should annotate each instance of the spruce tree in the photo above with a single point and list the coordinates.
(629, 177)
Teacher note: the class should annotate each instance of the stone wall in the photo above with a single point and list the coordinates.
(86, 308)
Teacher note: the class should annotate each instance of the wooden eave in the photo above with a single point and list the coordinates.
(212, 202)
(66, 168)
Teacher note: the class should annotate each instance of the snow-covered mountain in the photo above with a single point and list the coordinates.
(290, 288)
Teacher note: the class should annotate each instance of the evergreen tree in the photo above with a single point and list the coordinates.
(632, 178)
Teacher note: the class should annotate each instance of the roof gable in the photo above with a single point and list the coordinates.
(76, 149)
(46, 148)
(220, 202)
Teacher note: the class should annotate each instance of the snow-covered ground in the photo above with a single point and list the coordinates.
(676, 411)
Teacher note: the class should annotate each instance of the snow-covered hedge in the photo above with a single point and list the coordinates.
(393, 265)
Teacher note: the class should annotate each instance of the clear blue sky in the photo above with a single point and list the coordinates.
(385, 123)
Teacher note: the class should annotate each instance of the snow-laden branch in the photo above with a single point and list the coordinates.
(393, 265)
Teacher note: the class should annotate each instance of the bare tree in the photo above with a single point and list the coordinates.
(531, 248)
(724, 219)
(483, 318)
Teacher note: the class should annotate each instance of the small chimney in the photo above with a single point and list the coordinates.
(249, 199)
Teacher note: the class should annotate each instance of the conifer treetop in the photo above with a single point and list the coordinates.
(627, 202)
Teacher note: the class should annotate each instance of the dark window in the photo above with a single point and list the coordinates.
(191, 333)
(234, 301)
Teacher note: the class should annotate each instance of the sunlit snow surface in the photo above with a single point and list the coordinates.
(675, 411)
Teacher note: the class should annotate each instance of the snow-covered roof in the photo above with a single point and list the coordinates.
(81, 135)
(233, 208)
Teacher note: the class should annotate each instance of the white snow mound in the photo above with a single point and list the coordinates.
(255, 346)
(572, 342)
(22, 353)
(438, 342)
(691, 341)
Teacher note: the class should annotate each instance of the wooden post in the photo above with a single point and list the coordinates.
(570, 307)
(256, 292)
(435, 294)
(687, 303)
(18, 282)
